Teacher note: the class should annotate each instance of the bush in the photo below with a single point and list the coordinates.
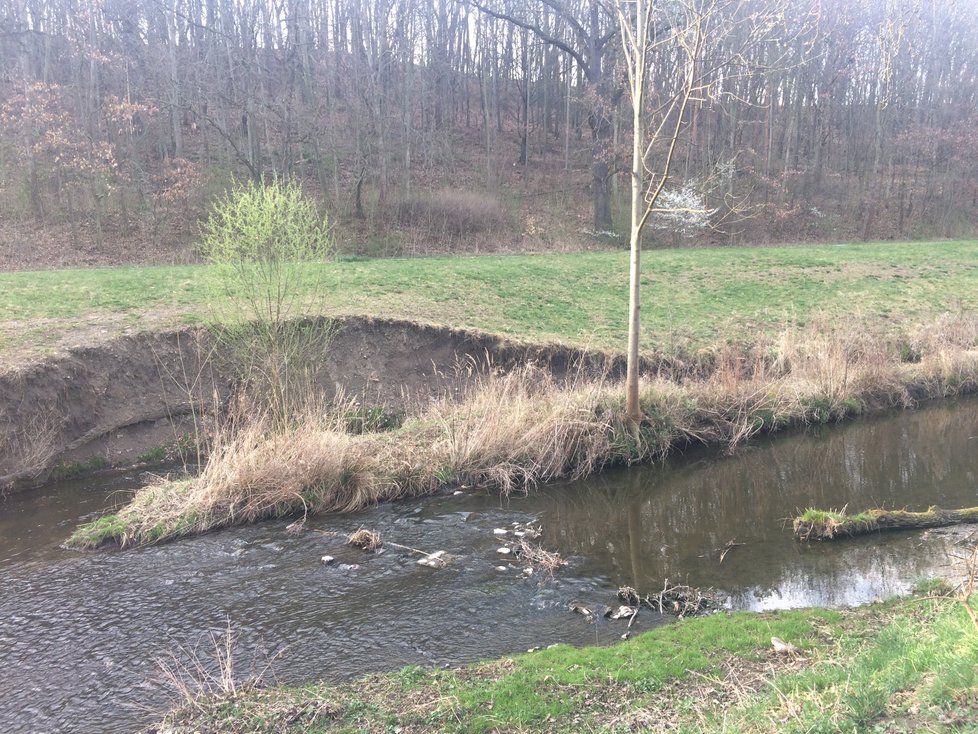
(264, 235)
(452, 214)
(269, 243)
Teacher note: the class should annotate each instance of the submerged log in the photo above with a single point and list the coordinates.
(827, 525)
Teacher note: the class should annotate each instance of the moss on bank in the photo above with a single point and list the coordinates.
(901, 666)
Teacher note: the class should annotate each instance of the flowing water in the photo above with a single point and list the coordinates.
(80, 632)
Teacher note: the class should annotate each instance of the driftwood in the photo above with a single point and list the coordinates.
(678, 599)
(827, 525)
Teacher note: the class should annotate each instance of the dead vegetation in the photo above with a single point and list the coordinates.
(452, 213)
(513, 430)
(679, 600)
(200, 677)
(365, 540)
(966, 590)
(539, 558)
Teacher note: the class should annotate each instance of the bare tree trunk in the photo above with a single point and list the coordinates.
(636, 37)
(171, 47)
(37, 205)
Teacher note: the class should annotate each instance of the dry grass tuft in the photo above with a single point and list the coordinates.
(524, 427)
(452, 213)
(200, 678)
(966, 591)
(364, 539)
(29, 448)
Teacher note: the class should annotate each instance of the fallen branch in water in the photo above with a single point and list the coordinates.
(828, 525)
(536, 556)
(679, 599)
(732, 543)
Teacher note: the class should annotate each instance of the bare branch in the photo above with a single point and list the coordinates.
(538, 32)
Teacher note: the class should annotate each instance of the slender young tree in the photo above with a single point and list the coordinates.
(704, 45)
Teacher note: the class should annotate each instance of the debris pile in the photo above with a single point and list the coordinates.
(523, 548)
(368, 540)
(679, 599)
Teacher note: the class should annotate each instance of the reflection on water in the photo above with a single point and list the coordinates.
(648, 524)
(79, 632)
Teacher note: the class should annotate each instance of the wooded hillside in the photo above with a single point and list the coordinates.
(427, 125)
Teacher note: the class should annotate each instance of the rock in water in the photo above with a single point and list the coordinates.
(438, 559)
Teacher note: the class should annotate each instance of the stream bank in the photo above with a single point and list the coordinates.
(902, 666)
(523, 425)
(109, 403)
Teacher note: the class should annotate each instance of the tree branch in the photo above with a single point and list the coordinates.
(538, 32)
(559, 8)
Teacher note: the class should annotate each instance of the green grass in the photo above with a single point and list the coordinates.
(812, 515)
(107, 529)
(919, 672)
(692, 298)
(155, 455)
(906, 665)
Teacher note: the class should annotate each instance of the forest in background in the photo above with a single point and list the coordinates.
(471, 125)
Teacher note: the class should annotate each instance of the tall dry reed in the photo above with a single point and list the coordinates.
(513, 430)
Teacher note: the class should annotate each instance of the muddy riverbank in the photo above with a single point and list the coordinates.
(111, 402)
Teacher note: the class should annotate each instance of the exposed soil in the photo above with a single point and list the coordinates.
(112, 400)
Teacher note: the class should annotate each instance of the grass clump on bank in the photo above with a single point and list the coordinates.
(514, 430)
(900, 666)
(510, 431)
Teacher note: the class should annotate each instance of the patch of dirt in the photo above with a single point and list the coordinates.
(113, 397)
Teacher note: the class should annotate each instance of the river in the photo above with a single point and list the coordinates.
(81, 633)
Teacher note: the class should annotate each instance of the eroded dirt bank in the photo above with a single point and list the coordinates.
(113, 402)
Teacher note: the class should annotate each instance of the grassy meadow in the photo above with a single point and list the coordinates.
(692, 299)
